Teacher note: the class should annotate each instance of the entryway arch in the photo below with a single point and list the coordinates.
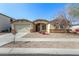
(40, 25)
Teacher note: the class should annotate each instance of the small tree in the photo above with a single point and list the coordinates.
(73, 12)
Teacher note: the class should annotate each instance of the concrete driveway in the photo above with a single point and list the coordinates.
(8, 37)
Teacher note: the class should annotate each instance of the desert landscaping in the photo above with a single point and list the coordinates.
(45, 44)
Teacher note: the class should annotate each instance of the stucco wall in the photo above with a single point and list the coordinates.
(52, 26)
(4, 22)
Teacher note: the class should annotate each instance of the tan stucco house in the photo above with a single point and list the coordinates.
(40, 25)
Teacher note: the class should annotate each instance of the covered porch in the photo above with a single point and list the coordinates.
(41, 26)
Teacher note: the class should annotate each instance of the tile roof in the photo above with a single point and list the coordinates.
(22, 20)
(40, 20)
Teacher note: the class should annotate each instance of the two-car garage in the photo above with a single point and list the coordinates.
(22, 28)
(22, 25)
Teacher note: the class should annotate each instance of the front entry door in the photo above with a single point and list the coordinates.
(37, 27)
(40, 27)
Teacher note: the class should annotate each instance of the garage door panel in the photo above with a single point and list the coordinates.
(22, 28)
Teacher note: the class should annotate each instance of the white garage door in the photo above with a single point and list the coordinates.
(22, 28)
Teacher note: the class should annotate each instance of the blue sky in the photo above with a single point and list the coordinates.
(32, 11)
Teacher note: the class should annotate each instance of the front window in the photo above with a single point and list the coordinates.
(43, 27)
(61, 26)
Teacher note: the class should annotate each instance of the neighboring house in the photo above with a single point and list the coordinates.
(5, 23)
(60, 24)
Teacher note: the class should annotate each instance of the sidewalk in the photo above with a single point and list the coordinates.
(36, 51)
(48, 39)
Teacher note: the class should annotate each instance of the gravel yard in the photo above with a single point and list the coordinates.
(52, 35)
(41, 44)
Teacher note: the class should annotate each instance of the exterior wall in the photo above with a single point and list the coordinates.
(53, 29)
(48, 28)
(4, 22)
(44, 22)
(58, 30)
(52, 26)
(33, 28)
